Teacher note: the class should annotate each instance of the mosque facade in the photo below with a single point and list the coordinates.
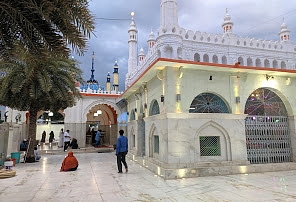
(210, 104)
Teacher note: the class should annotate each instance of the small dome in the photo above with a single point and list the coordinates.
(141, 52)
(151, 36)
(284, 26)
(227, 17)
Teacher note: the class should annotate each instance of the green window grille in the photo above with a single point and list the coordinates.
(156, 144)
(210, 146)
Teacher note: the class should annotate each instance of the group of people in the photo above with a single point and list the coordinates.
(70, 163)
(65, 140)
(51, 137)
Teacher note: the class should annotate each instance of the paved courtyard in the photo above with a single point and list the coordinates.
(97, 180)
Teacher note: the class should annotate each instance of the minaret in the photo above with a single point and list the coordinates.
(169, 13)
(132, 45)
(141, 55)
(228, 24)
(108, 83)
(92, 77)
(151, 40)
(284, 33)
(115, 77)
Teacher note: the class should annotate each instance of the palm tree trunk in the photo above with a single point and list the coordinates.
(32, 134)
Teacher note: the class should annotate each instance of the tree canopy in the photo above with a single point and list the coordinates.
(33, 85)
(45, 25)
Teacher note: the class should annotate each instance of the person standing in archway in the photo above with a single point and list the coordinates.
(121, 151)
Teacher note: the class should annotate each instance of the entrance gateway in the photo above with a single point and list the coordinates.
(267, 129)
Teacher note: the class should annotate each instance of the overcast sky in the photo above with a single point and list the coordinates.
(260, 19)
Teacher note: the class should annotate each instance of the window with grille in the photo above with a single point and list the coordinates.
(210, 146)
(133, 116)
(155, 108)
(156, 144)
(208, 103)
(134, 140)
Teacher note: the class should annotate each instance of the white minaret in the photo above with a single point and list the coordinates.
(284, 33)
(141, 55)
(168, 14)
(132, 45)
(151, 40)
(228, 24)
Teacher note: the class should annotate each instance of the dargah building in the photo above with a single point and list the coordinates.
(210, 104)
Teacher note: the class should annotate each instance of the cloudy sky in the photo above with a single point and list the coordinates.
(260, 19)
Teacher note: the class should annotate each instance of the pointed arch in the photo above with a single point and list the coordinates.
(154, 147)
(249, 62)
(210, 130)
(132, 115)
(258, 62)
(154, 108)
(275, 64)
(224, 60)
(283, 65)
(215, 59)
(206, 58)
(112, 106)
(241, 61)
(266, 63)
(196, 57)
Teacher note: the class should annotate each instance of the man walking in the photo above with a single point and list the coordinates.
(121, 151)
(66, 140)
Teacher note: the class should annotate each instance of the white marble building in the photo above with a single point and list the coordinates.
(209, 104)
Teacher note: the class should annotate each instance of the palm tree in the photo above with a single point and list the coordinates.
(41, 26)
(33, 85)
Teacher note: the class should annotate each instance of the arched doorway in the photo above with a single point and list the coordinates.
(101, 117)
(267, 129)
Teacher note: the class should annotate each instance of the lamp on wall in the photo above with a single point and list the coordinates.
(211, 78)
(135, 109)
(145, 106)
(178, 97)
(162, 98)
(269, 77)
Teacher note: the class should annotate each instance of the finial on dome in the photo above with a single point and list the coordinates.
(132, 14)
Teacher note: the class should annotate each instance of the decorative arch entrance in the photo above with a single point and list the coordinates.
(101, 117)
(267, 129)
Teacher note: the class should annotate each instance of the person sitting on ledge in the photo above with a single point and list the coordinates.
(70, 163)
(37, 156)
(74, 144)
(23, 145)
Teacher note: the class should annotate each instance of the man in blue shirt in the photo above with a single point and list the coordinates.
(23, 145)
(121, 151)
